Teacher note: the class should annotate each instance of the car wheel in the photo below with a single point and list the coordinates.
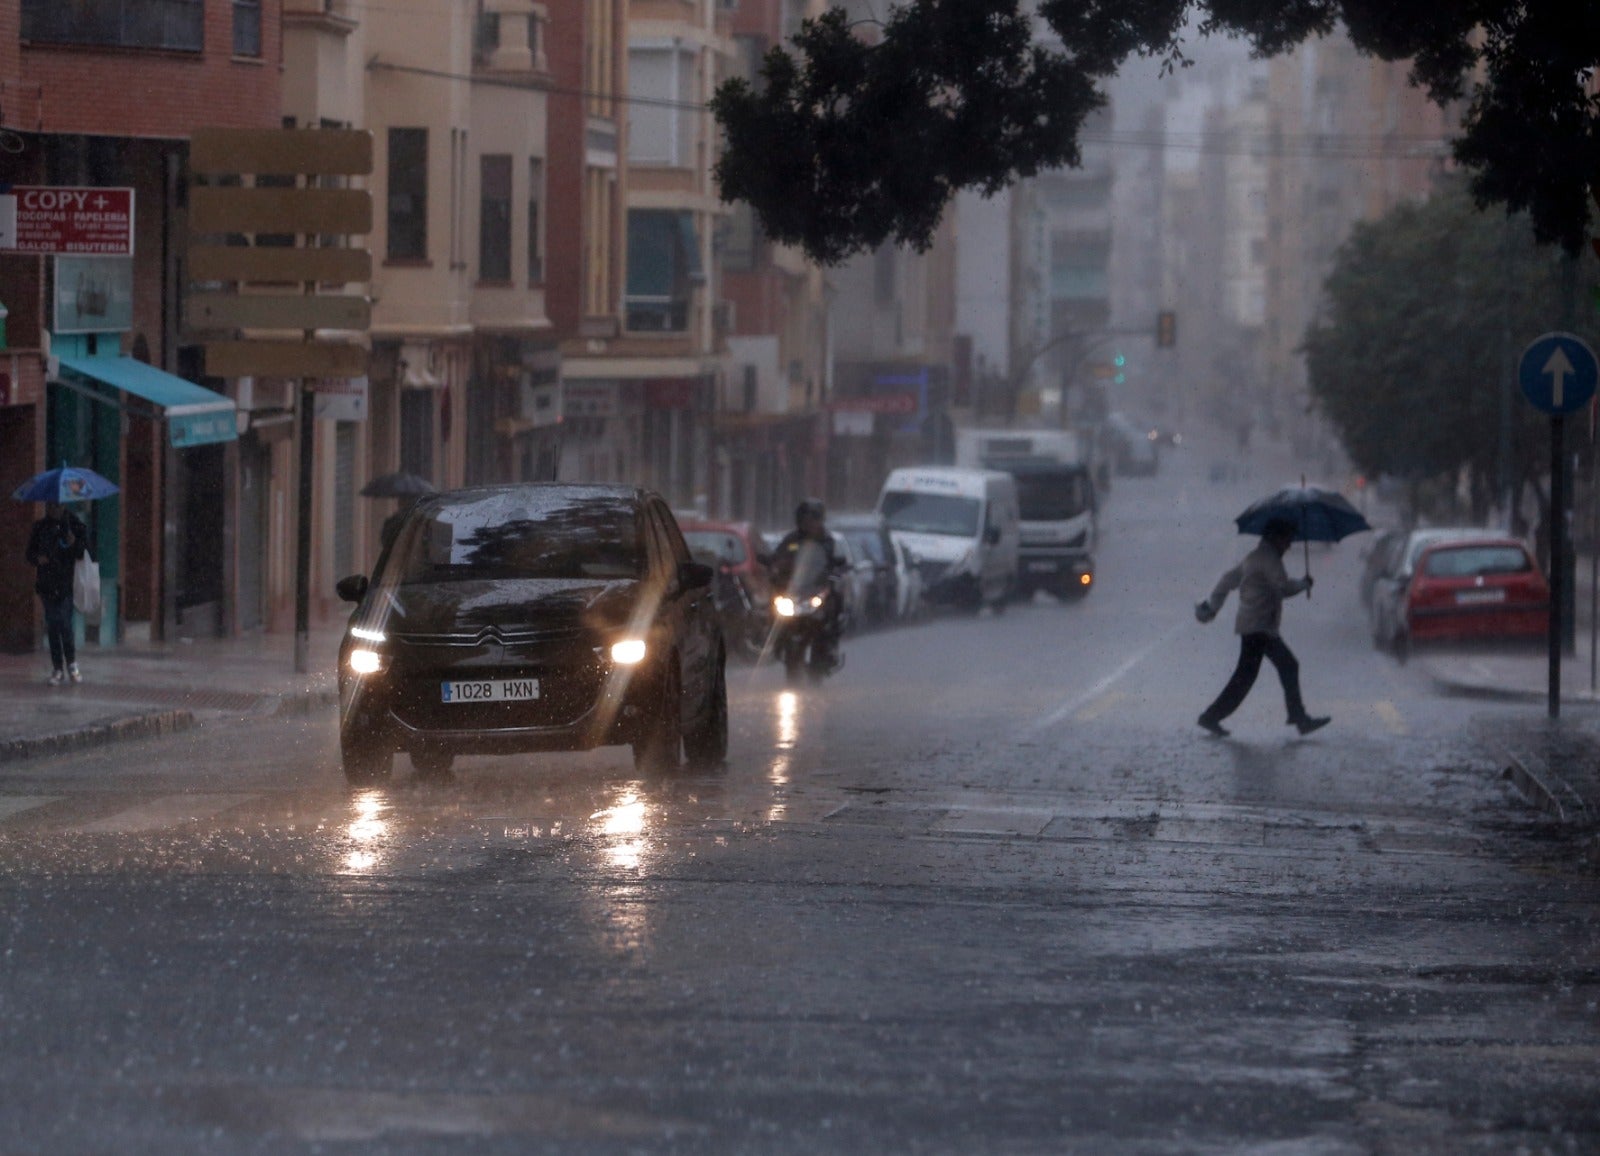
(707, 744)
(659, 750)
(432, 764)
(365, 763)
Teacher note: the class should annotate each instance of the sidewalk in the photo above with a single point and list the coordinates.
(146, 689)
(1555, 763)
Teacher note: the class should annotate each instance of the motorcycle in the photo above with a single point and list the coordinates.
(805, 614)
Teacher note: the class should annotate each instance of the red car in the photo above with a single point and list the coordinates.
(733, 548)
(1460, 586)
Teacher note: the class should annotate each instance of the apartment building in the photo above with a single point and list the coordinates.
(97, 369)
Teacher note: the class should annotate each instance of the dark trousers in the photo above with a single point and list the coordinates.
(58, 630)
(1252, 648)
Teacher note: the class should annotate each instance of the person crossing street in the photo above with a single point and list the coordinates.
(1263, 584)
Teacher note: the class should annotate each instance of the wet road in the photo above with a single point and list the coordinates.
(990, 890)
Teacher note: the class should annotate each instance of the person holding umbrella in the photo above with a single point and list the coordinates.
(1263, 584)
(55, 544)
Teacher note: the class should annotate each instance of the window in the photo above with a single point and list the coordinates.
(535, 228)
(408, 194)
(174, 25)
(494, 220)
(664, 115)
(247, 27)
(663, 269)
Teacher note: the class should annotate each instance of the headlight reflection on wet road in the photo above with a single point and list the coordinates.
(367, 831)
(624, 823)
(788, 736)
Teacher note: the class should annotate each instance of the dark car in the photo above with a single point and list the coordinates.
(874, 554)
(1459, 585)
(540, 617)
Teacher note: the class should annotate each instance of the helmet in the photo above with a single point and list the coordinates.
(810, 508)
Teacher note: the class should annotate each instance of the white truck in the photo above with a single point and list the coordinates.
(1056, 494)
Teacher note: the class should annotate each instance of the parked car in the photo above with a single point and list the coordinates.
(533, 617)
(878, 559)
(740, 590)
(857, 582)
(1459, 585)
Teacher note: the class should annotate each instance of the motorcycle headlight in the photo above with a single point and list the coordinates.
(628, 651)
(364, 661)
(816, 601)
(784, 605)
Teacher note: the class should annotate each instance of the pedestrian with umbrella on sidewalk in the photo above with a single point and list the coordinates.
(1296, 513)
(56, 543)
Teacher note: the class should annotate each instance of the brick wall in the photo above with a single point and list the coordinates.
(130, 92)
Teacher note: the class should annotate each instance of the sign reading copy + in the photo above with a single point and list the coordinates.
(42, 219)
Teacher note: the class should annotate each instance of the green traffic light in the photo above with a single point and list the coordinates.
(1119, 361)
(1120, 378)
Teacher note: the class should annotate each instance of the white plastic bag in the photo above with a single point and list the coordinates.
(86, 587)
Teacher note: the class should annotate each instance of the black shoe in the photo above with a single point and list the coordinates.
(1308, 724)
(1215, 727)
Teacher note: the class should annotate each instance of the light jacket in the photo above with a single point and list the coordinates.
(1263, 584)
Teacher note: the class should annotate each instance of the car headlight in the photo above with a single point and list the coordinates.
(784, 605)
(628, 652)
(363, 661)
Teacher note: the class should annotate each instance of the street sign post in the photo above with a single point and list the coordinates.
(1557, 374)
(308, 212)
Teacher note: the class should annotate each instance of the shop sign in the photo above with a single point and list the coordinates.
(38, 219)
(341, 399)
(203, 428)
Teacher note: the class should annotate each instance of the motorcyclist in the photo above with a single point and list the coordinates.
(809, 550)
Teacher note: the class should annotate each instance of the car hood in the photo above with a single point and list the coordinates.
(933, 547)
(465, 607)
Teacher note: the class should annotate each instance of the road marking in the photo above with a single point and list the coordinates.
(1080, 701)
(168, 811)
(1099, 707)
(16, 804)
(1390, 714)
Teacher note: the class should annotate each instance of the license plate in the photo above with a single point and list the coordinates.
(490, 690)
(1042, 567)
(1472, 597)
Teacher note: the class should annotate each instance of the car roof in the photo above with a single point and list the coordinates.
(550, 492)
(1426, 539)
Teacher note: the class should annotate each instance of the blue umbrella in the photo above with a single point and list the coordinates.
(1317, 515)
(67, 484)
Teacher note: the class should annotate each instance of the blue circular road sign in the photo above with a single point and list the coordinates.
(1557, 373)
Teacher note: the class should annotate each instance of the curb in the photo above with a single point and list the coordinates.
(136, 726)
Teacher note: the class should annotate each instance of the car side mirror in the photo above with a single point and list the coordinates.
(694, 575)
(991, 535)
(352, 589)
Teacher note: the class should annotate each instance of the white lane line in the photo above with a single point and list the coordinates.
(16, 804)
(1099, 688)
(168, 811)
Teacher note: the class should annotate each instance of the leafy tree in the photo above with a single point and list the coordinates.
(851, 138)
(1423, 308)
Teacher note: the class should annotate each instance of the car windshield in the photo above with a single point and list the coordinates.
(868, 543)
(509, 536)
(1476, 561)
(1052, 497)
(723, 545)
(931, 513)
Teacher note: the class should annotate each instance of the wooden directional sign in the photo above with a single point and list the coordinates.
(239, 210)
(274, 311)
(274, 265)
(281, 152)
(284, 359)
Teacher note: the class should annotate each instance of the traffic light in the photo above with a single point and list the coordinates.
(1166, 329)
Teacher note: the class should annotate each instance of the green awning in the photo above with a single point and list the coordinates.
(194, 414)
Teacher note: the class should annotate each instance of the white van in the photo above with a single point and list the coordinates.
(963, 527)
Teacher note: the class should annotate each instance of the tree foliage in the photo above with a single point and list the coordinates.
(1424, 308)
(848, 140)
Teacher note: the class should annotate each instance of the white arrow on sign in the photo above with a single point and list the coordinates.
(1559, 369)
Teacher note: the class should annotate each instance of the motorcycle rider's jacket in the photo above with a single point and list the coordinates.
(798, 551)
